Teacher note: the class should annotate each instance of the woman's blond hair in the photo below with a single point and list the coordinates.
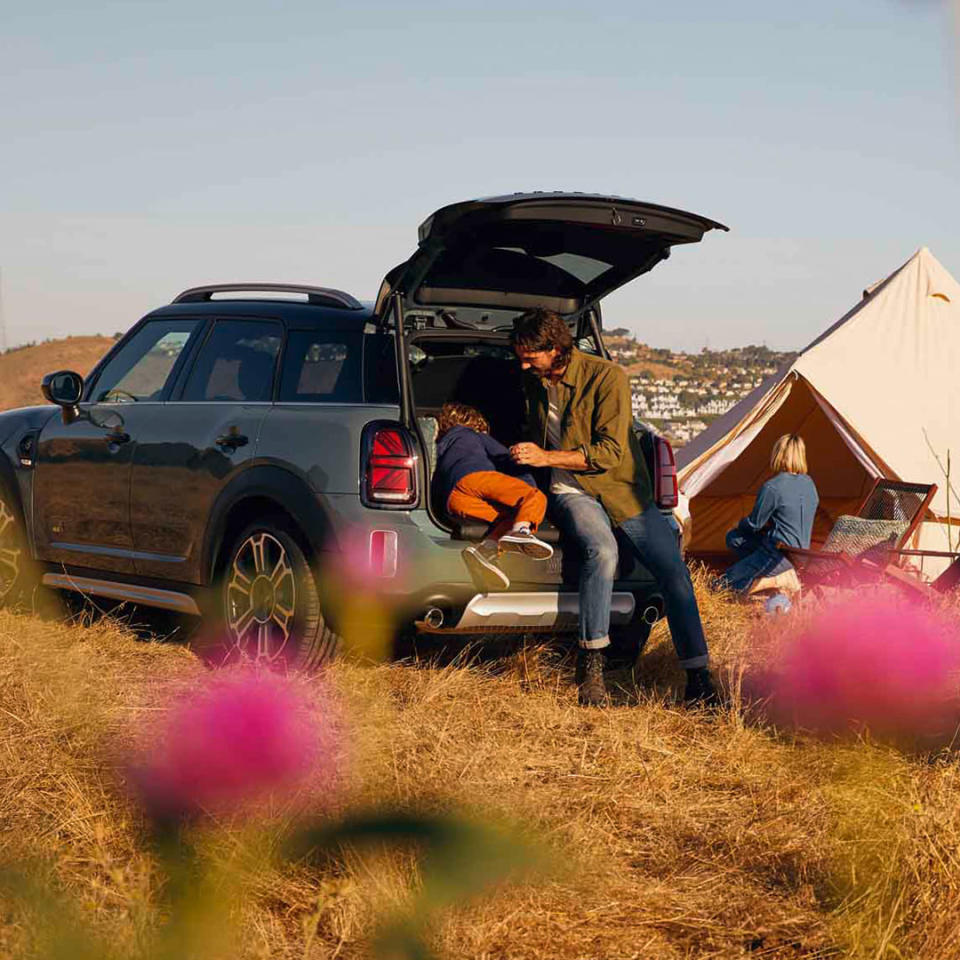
(461, 415)
(789, 455)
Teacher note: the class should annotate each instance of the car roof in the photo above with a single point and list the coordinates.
(295, 314)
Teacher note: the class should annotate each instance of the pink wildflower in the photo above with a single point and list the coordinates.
(876, 661)
(237, 740)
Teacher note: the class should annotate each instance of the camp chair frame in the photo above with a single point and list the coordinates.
(947, 583)
(841, 567)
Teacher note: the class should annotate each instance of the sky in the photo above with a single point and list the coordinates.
(147, 147)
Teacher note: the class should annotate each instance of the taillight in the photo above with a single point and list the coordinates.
(666, 492)
(389, 473)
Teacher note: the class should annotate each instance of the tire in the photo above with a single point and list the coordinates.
(627, 642)
(267, 604)
(19, 577)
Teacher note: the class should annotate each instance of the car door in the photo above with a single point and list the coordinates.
(197, 442)
(83, 461)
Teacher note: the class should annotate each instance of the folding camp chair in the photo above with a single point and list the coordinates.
(863, 546)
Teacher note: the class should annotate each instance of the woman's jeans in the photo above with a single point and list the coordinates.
(583, 521)
(758, 558)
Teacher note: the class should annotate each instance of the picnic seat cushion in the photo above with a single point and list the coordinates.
(785, 582)
(859, 537)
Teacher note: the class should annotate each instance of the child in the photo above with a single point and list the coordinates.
(476, 479)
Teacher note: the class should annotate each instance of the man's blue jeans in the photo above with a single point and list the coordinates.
(584, 522)
(758, 557)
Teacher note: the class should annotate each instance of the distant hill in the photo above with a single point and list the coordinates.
(638, 358)
(657, 371)
(22, 368)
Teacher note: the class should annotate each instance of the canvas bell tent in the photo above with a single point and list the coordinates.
(876, 395)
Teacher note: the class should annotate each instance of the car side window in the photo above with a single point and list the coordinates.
(321, 367)
(236, 363)
(141, 368)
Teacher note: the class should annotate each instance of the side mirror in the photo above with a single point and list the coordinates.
(64, 388)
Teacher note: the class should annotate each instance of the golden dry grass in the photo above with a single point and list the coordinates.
(676, 834)
(22, 370)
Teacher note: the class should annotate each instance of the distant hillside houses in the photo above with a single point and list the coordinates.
(681, 398)
(678, 390)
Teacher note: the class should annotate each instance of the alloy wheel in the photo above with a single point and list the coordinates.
(10, 551)
(261, 598)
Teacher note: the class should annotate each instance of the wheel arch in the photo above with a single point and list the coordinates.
(10, 484)
(15, 426)
(273, 489)
(8, 479)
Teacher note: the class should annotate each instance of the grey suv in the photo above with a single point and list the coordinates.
(247, 456)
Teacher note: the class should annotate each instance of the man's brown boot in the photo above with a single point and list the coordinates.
(700, 691)
(592, 690)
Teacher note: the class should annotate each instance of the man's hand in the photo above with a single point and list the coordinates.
(529, 455)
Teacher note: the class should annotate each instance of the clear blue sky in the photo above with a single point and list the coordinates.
(150, 146)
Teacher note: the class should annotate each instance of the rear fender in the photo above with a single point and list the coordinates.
(291, 494)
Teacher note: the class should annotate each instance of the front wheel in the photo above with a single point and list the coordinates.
(269, 604)
(19, 578)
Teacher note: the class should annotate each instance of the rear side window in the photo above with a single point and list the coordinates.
(236, 364)
(321, 367)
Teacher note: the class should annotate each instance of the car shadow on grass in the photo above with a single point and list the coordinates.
(146, 624)
(539, 660)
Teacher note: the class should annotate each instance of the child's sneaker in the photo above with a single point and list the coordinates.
(481, 562)
(523, 541)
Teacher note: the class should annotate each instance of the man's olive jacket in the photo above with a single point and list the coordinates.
(595, 418)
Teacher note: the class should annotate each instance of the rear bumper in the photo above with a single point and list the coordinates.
(534, 612)
(426, 570)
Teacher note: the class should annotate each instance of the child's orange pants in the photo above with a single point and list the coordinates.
(497, 498)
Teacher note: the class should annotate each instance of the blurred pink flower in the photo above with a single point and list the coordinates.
(235, 741)
(877, 661)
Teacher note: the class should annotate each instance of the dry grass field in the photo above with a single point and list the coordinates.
(22, 370)
(675, 834)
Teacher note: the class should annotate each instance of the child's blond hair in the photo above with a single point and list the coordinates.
(789, 455)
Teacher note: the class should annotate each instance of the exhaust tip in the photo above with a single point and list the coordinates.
(651, 614)
(433, 618)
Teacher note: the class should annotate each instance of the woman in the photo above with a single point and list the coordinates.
(783, 513)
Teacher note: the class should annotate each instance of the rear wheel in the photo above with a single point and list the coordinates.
(269, 603)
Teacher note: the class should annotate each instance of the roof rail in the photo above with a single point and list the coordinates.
(321, 296)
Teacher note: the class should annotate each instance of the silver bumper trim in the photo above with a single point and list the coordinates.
(541, 609)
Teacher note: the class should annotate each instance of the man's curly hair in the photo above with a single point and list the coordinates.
(540, 330)
(461, 415)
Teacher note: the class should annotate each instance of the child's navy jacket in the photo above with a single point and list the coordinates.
(461, 451)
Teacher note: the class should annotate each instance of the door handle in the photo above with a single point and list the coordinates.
(117, 437)
(232, 440)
